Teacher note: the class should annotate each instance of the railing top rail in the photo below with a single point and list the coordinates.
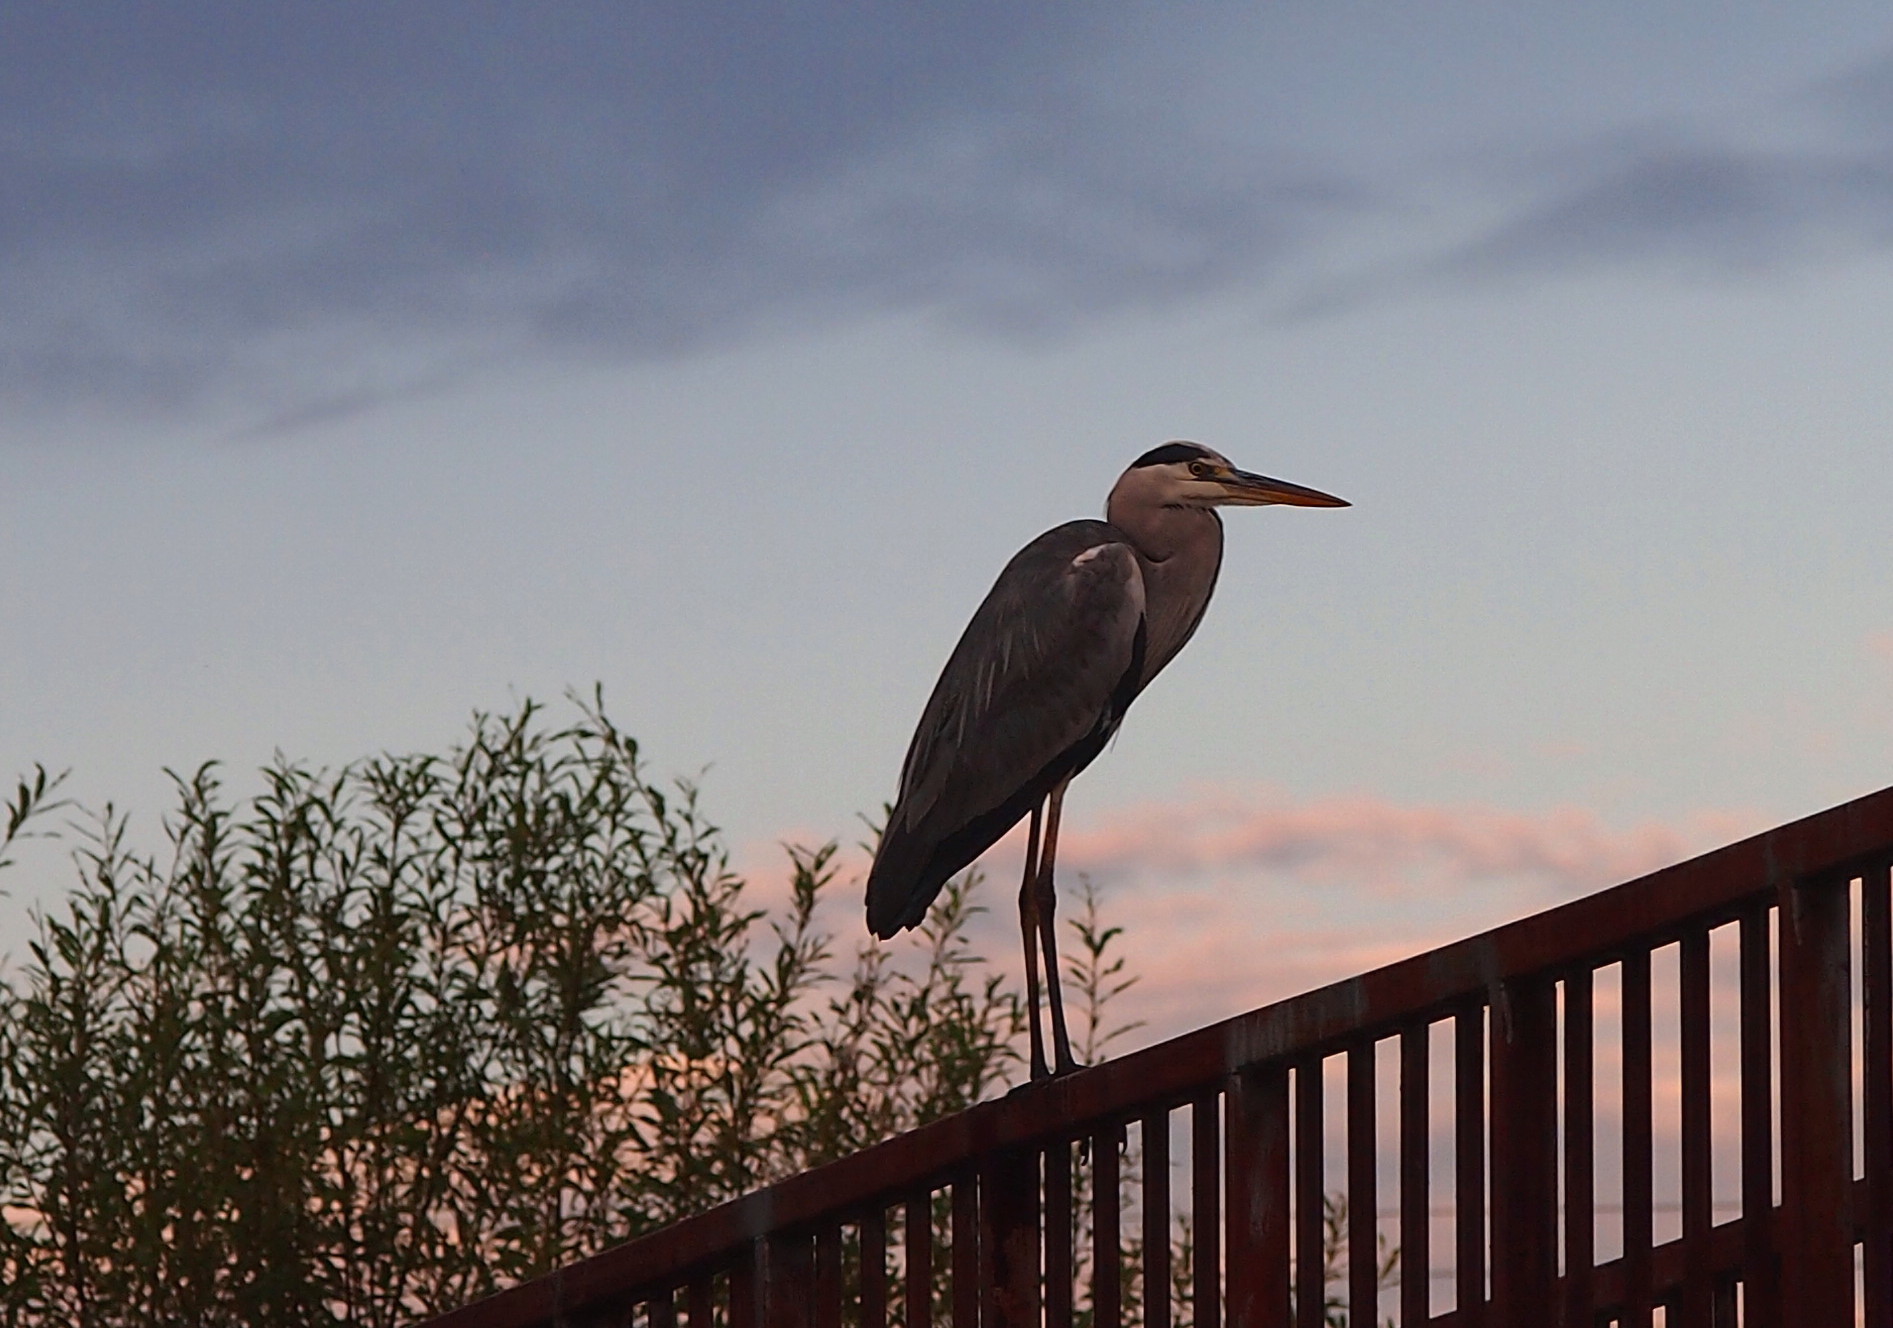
(1589, 931)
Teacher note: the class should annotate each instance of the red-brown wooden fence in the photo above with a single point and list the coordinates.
(974, 1219)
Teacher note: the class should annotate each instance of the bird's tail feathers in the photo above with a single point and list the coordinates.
(901, 885)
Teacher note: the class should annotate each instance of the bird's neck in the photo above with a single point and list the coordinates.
(1180, 550)
(1162, 533)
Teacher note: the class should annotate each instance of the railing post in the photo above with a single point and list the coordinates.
(1580, 1147)
(1638, 1147)
(1363, 1197)
(1816, 1231)
(827, 1288)
(1154, 1137)
(1256, 1185)
(1058, 1232)
(1876, 1050)
(1696, 1308)
(1524, 1150)
(873, 1268)
(1416, 1180)
(918, 1295)
(744, 1286)
(1206, 1267)
(966, 1250)
(1760, 1284)
(1311, 1195)
(1469, 1213)
(1009, 1237)
(1107, 1253)
(788, 1281)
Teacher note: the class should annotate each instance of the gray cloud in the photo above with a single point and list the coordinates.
(307, 211)
(1713, 206)
(299, 212)
(1667, 200)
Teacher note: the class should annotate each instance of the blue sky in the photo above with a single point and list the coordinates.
(361, 366)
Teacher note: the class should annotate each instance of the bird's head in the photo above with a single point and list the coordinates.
(1193, 476)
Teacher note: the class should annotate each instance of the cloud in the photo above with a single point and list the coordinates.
(308, 211)
(1716, 206)
(1236, 897)
(1239, 897)
(1379, 845)
(264, 201)
(1815, 181)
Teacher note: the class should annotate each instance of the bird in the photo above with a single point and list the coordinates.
(1076, 626)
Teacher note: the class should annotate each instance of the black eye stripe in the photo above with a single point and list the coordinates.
(1170, 452)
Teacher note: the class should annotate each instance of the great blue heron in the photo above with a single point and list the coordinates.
(1076, 626)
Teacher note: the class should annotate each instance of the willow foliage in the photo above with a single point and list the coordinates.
(374, 1042)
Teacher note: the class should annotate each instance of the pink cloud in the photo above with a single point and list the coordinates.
(1376, 844)
(1240, 896)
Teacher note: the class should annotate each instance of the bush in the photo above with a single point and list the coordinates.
(375, 1042)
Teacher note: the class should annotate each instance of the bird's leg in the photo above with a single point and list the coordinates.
(1029, 928)
(1062, 1060)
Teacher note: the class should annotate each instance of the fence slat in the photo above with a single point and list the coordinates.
(1876, 985)
(1524, 1037)
(1580, 1151)
(1761, 1304)
(966, 1250)
(1469, 1164)
(743, 1288)
(1256, 1104)
(1416, 1222)
(789, 1284)
(1156, 1144)
(828, 1276)
(662, 1310)
(919, 1272)
(1637, 1195)
(1206, 1220)
(1009, 1237)
(874, 1268)
(1697, 1304)
(700, 1304)
(1311, 1290)
(1058, 1234)
(1817, 1258)
(1363, 1196)
(1107, 1253)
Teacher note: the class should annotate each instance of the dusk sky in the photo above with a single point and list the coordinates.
(362, 366)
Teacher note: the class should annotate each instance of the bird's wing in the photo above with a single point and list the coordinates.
(1036, 685)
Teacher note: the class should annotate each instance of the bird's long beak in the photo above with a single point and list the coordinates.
(1244, 489)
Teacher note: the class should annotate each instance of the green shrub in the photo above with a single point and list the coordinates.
(381, 1040)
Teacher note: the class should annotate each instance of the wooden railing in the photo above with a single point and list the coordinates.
(1192, 1182)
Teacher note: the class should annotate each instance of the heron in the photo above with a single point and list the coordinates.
(1076, 626)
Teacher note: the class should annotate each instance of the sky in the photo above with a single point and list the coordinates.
(365, 366)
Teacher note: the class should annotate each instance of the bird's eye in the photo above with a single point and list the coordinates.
(1200, 469)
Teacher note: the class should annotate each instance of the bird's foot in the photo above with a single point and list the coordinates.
(1042, 1075)
(1037, 1074)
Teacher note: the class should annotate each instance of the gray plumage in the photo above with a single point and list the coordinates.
(1077, 624)
(1039, 682)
